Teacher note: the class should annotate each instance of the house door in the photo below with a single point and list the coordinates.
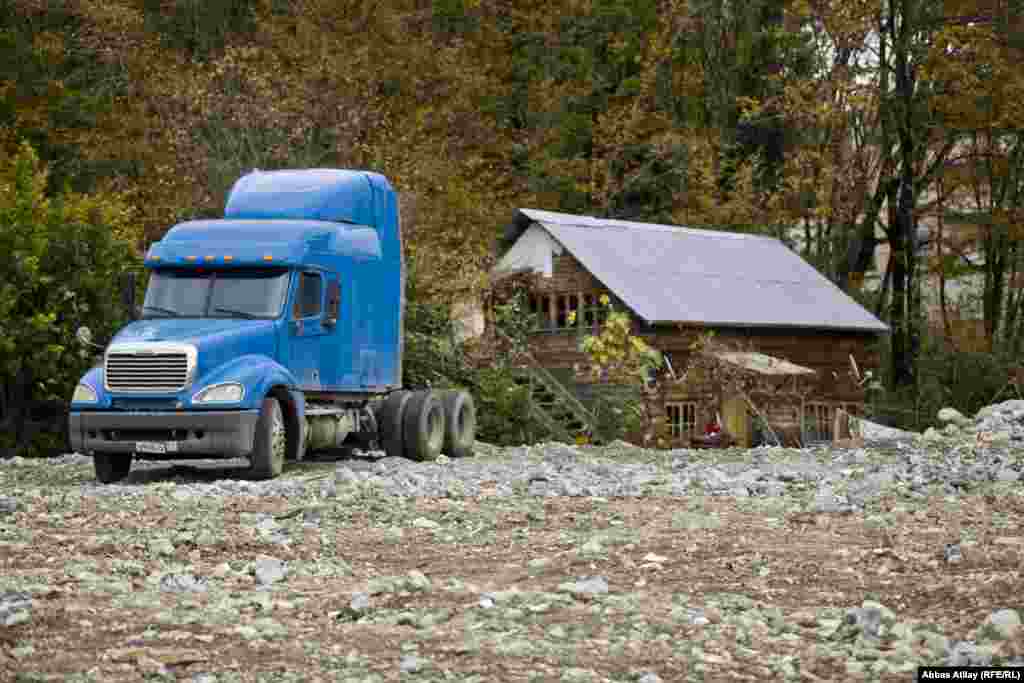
(737, 420)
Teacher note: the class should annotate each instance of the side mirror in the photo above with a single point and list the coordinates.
(84, 336)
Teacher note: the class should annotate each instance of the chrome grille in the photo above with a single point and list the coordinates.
(150, 370)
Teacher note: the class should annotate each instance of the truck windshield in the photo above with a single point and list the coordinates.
(186, 293)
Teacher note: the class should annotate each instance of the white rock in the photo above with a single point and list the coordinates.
(1005, 622)
(269, 570)
(424, 523)
(952, 415)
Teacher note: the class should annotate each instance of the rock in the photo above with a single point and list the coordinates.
(360, 602)
(442, 460)
(1002, 625)
(932, 435)
(827, 501)
(952, 416)
(344, 475)
(411, 664)
(593, 585)
(486, 602)
(15, 608)
(652, 557)
(269, 570)
(1008, 474)
(329, 489)
(424, 523)
(869, 620)
(182, 583)
(8, 505)
(649, 677)
(876, 433)
(952, 553)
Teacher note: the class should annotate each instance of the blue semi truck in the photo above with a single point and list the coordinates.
(268, 334)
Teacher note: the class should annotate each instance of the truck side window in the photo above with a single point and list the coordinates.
(307, 300)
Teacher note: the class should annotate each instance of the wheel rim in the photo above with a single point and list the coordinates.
(278, 435)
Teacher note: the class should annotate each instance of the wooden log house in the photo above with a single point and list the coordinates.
(782, 321)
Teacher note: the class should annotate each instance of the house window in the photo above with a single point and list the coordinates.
(682, 419)
(563, 311)
(818, 419)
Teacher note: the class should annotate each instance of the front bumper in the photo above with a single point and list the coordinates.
(206, 433)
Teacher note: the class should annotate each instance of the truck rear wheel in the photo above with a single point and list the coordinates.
(424, 426)
(271, 443)
(112, 467)
(459, 423)
(390, 418)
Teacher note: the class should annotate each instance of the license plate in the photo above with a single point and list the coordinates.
(156, 446)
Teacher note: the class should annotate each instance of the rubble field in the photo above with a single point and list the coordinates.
(534, 563)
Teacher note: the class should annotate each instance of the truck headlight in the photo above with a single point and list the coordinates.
(84, 394)
(230, 392)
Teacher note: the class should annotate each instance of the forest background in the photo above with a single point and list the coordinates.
(843, 127)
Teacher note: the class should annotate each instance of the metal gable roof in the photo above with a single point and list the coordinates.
(672, 274)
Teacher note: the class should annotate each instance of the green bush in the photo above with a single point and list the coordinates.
(61, 257)
(967, 381)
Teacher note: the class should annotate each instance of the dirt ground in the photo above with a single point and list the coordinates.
(484, 588)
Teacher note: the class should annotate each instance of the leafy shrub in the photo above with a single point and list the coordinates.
(967, 381)
(61, 258)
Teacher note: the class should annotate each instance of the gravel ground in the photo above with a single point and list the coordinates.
(909, 547)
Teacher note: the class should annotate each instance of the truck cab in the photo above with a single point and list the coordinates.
(263, 334)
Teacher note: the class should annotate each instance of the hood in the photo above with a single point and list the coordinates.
(191, 330)
(217, 340)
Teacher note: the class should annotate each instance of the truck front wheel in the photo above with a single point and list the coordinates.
(271, 442)
(112, 467)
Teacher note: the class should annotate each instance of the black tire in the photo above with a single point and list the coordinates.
(270, 447)
(459, 423)
(424, 426)
(112, 467)
(390, 418)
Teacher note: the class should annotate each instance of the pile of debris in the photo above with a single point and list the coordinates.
(999, 425)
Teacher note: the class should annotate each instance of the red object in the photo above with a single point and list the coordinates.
(712, 428)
